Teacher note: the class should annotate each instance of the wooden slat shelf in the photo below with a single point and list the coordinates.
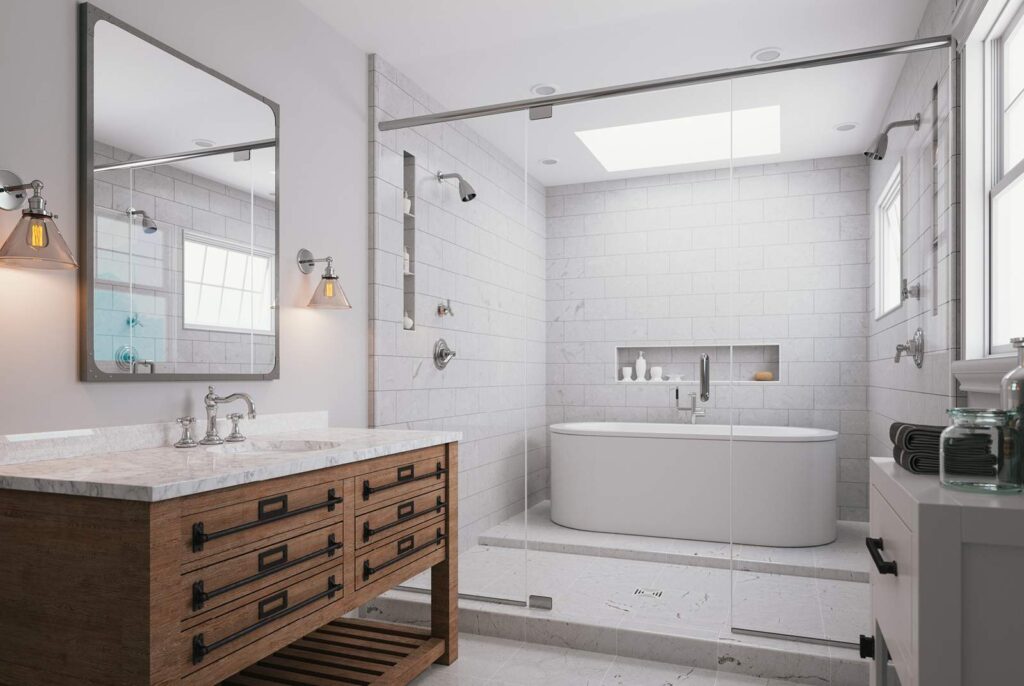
(347, 651)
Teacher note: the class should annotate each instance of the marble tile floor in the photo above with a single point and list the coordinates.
(682, 614)
(844, 559)
(497, 662)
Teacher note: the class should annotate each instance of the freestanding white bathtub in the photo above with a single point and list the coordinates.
(778, 488)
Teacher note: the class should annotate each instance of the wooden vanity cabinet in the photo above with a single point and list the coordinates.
(235, 585)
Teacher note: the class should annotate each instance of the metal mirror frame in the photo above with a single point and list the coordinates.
(89, 15)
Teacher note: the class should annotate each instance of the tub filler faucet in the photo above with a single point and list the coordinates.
(693, 409)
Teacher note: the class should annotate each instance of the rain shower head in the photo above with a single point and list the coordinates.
(466, 191)
(877, 151)
(148, 225)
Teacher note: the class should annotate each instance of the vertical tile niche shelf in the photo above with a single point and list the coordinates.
(409, 240)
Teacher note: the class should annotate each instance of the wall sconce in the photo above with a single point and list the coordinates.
(328, 294)
(35, 242)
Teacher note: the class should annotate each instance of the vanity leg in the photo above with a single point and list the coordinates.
(444, 577)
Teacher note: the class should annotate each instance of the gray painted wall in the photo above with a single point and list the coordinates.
(275, 47)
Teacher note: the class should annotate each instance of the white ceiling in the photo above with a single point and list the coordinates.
(475, 52)
(149, 103)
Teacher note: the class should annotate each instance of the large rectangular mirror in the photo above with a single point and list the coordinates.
(178, 214)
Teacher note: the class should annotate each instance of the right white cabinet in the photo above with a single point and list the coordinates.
(947, 583)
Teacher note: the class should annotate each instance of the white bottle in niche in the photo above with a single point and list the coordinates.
(641, 367)
(406, 261)
(407, 322)
(406, 202)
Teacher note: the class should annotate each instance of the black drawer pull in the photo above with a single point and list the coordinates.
(403, 478)
(875, 547)
(403, 517)
(200, 537)
(201, 649)
(200, 595)
(273, 557)
(867, 647)
(272, 507)
(369, 571)
(273, 604)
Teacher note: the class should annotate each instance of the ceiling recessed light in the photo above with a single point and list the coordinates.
(549, 161)
(846, 126)
(202, 142)
(766, 54)
(687, 140)
(543, 89)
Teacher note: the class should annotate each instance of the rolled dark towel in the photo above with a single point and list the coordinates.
(919, 462)
(916, 461)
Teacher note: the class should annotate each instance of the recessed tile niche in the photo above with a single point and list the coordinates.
(680, 363)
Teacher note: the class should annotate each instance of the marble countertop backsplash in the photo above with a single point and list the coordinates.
(140, 463)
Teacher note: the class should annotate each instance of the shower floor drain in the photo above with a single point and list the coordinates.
(648, 592)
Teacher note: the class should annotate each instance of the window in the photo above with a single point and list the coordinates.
(227, 286)
(1006, 234)
(889, 245)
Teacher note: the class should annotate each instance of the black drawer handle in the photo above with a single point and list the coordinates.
(201, 649)
(875, 547)
(867, 647)
(369, 571)
(273, 604)
(200, 595)
(406, 513)
(404, 477)
(264, 516)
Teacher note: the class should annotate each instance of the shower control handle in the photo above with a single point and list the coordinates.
(705, 377)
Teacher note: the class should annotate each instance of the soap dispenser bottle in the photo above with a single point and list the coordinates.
(1012, 389)
(641, 367)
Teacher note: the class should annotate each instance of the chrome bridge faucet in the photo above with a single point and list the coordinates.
(211, 401)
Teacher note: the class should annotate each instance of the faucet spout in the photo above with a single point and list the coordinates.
(211, 400)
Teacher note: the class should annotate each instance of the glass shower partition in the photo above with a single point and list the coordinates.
(461, 259)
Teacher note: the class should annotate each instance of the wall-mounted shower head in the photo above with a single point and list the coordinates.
(466, 191)
(877, 151)
(148, 225)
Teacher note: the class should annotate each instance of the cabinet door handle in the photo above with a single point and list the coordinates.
(200, 648)
(875, 548)
(369, 571)
(402, 477)
(405, 513)
(200, 595)
(264, 516)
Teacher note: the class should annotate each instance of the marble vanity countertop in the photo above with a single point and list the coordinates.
(161, 473)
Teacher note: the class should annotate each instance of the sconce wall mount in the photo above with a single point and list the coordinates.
(328, 294)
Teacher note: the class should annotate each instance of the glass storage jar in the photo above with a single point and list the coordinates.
(982, 451)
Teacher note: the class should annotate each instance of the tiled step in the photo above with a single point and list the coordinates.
(709, 649)
(845, 559)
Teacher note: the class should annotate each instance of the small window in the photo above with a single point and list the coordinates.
(889, 245)
(227, 287)
(1006, 237)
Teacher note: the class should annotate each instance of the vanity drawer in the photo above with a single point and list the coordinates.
(425, 469)
(264, 614)
(213, 586)
(892, 595)
(373, 527)
(241, 522)
(393, 556)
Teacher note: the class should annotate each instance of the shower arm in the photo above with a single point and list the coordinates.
(915, 122)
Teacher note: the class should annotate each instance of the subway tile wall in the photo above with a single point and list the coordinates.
(930, 251)
(138, 299)
(487, 256)
(776, 255)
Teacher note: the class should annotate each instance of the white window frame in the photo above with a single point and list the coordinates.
(982, 175)
(1000, 178)
(891, 193)
(211, 241)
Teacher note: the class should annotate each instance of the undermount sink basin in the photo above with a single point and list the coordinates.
(270, 446)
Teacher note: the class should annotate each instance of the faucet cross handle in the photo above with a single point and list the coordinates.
(235, 436)
(186, 440)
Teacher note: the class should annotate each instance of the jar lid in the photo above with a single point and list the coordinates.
(990, 414)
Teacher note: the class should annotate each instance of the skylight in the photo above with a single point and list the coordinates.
(686, 140)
